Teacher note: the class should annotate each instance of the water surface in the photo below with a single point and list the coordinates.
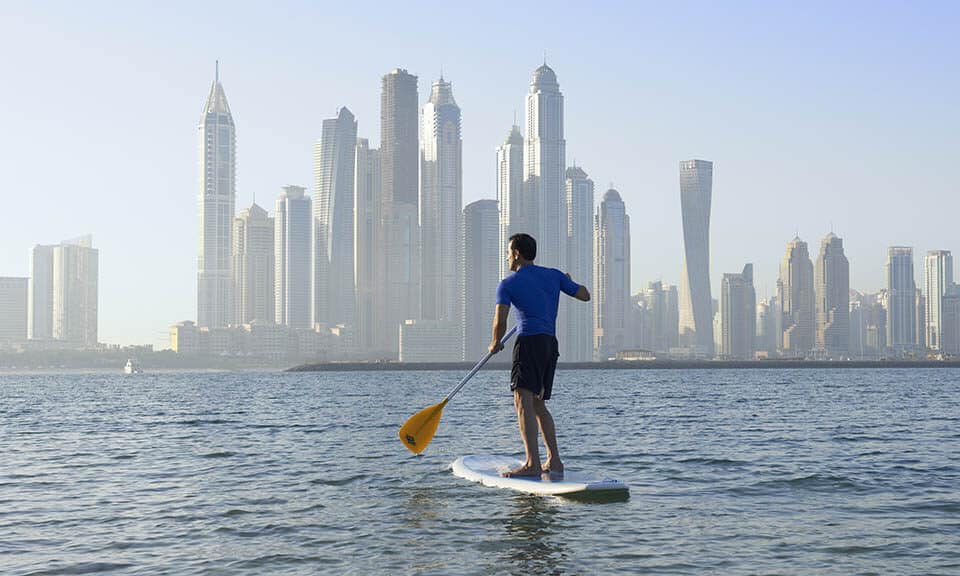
(731, 471)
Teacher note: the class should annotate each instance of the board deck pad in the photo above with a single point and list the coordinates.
(486, 470)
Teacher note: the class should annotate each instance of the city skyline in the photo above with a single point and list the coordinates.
(137, 256)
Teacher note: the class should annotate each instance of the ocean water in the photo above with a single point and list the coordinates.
(731, 472)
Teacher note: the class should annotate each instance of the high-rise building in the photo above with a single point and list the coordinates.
(441, 203)
(796, 295)
(663, 312)
(218, 169)
(512, 200)
(832, 287)
(65, 292)
(40, 320)
(611, 275)
(368, 250)
(399, 165)
(901, 300)
(868, 325)
(937, 280)
(482, 255)
(292, 242)
(13, 309)
(696, 308)
(333, 287)
(544, 164)
(576, 320)
(766, 339)
(738, 315)
(253, 266)
(950, 317)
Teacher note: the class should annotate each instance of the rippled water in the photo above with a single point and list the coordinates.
(735, 472)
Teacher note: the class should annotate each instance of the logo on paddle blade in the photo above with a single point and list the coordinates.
(411, 440)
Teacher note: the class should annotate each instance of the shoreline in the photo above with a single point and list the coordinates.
(630, 365)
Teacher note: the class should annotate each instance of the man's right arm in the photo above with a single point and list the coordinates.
(582, 293)
(499, 327)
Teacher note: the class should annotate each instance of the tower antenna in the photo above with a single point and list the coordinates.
(216, 74)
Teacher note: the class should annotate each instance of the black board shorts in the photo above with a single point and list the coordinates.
(534, 364)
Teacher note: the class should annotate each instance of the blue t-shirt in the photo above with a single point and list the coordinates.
(535, 292)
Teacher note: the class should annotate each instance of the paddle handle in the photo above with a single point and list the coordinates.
(480, 364)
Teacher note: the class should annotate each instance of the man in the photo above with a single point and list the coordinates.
(535, 292)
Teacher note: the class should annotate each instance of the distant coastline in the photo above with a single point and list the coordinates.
(631, 365)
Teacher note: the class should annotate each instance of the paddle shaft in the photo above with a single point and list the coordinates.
(479, 365)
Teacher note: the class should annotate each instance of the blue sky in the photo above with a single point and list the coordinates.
(818, 116)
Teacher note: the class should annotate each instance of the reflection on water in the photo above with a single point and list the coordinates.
(533, 543)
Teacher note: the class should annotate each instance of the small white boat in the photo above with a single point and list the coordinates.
(132, 367)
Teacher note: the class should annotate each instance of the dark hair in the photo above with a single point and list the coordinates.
(525, 244)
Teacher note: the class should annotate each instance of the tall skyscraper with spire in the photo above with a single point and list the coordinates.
(576, 320)
(399, 165)
(937, 282)
(544, 164)
(218, 169)
(333, 289)
(368, 249)
(510, 192)
(795, 294)
(611, 275)
(253, 266)
(901, 300)
(696, 304)
(441, 204)
(832, 287)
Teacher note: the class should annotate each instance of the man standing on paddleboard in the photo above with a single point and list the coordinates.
(535, 292)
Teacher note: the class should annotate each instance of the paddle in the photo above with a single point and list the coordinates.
(419, 429)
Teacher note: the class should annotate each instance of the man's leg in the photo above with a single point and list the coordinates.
(527, 420)
(549, 431)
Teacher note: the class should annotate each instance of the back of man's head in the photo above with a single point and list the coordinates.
(525, 245)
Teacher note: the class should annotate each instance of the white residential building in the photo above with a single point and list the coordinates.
(544, 164)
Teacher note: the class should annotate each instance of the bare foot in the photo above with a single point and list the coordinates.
(554, 469)
(525, 471)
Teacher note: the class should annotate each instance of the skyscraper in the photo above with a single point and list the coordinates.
(901, 300)
(64, 293)
(738, 315)
(576, 320)
(292, 257)
(795, 293)
(399, 169)
(611, 275)
(334, 297)
(218, 168)
(832, 287)
(368, 250)
(13, 309)
(441, 203)
(544, 164)
(482, 255)
(663, 313)
(253, 266)
(511, 199)
(40, 321)
(696, 304)
(937, 281)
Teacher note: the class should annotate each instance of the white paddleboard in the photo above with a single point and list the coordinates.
(486, 470)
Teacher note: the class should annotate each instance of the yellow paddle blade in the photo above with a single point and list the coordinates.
(419, 429)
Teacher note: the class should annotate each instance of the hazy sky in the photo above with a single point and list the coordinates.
(839, 115)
